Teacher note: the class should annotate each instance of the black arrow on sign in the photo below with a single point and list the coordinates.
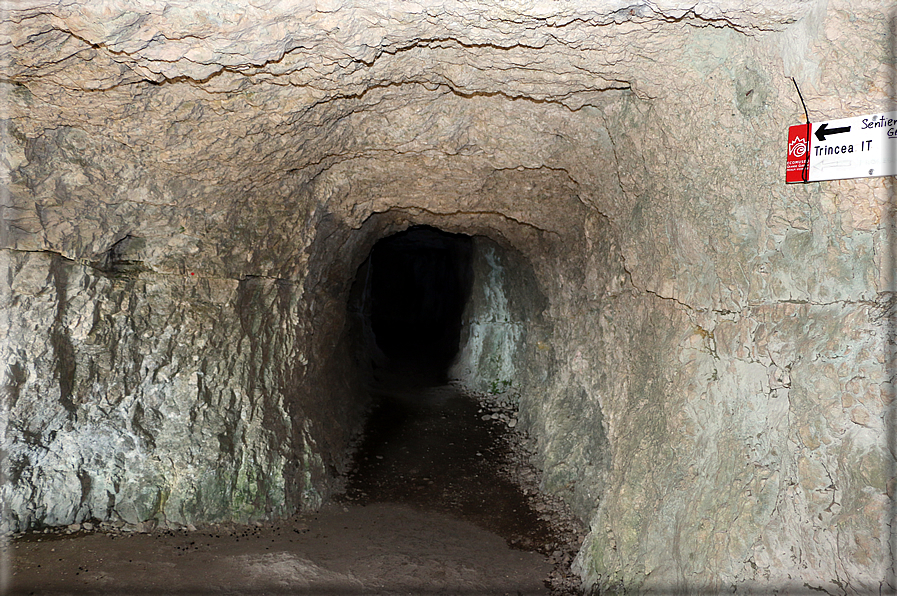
(824, 130)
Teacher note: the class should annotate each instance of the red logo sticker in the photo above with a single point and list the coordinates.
(797, 167)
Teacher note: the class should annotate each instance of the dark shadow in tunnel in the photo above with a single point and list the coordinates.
(427, 443)
(410, 294)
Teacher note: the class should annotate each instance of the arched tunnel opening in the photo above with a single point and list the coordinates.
(435, 313)
(415, 287)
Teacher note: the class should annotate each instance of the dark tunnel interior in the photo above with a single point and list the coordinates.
(427, 442)
(416, 284)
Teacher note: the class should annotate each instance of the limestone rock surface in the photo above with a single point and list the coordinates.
(703, 355)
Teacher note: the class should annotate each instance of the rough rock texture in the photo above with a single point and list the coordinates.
(142, 396)
(504, 315)
(190, 187)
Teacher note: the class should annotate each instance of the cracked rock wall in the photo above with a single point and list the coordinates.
(190, 187)
(134, 398)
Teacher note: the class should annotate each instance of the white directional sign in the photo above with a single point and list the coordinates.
(860, 147)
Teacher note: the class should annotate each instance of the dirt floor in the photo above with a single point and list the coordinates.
(442, 500)
(380, 549)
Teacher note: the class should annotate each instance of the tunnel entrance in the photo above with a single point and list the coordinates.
(415, 286)
(430, 306)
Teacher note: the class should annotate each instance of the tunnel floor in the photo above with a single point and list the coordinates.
(435, 448)
(438, 449)
(379, 549)
(438, 502)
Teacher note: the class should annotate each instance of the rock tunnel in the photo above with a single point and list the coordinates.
(411, 295)
(198, 199)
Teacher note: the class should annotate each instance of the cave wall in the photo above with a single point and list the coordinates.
(708, 380)
(135, 396)
(503, 316)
